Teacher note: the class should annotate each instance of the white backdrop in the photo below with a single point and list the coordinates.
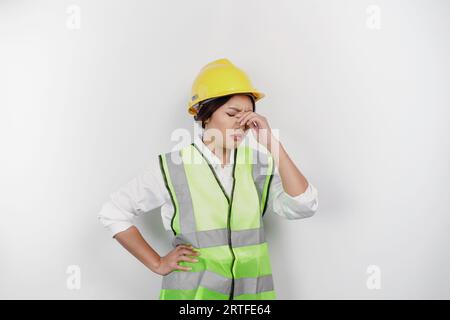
(90, 92)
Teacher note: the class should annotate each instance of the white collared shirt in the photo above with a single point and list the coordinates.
(147, 192)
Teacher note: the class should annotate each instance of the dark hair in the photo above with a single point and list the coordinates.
(207, 109)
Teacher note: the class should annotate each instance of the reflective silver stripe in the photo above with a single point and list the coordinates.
(253, 285)
(219, 237)
(247, 237)
(259, 171)
(187, 280)
(202, 239)
(182, 192)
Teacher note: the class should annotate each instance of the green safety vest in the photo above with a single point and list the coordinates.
(228, 231)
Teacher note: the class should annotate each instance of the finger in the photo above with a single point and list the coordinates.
(180, 267)
(245, 116)
(240, 115)
(247, 127)
(257, 121)
(183, 268)
(253, 124)
(183, 246)
(186, 258)
(187, 252)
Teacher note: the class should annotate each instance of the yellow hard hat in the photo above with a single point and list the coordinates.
(219, 78)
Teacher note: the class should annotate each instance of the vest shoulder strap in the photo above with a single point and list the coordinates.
(171, 166)
(263, 170)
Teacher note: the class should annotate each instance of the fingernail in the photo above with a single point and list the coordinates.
(195, 260)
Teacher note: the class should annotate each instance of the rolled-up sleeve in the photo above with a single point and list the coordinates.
(140, 195)
(290, 207)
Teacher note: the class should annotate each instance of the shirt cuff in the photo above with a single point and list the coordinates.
(120, 226)
(308, 195)
(113, 219)
(303, 205)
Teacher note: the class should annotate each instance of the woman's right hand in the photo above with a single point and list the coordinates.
(169, 262)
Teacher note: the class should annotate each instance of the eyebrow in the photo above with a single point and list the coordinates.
(230, 107)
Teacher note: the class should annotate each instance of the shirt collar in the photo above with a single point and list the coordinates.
(208, 154)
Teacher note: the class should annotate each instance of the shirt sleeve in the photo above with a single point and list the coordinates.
(283, 204)
(140, 195)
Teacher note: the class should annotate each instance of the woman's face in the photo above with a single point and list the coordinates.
(223, 127)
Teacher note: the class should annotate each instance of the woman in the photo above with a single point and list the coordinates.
(213, 195)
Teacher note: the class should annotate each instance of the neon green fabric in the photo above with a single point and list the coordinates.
(227, 230)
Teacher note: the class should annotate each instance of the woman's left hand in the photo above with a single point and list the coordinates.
(259, 125)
